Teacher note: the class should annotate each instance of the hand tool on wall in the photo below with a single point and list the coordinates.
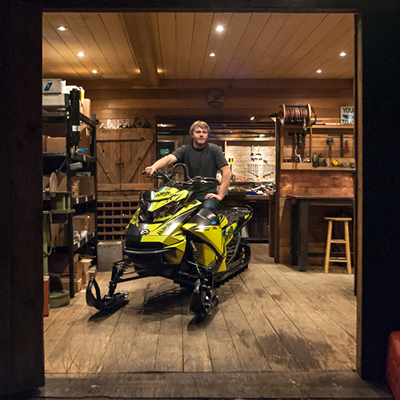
(346, 147)
(341, 146)
(265, 156)
(230, 162)
(329, 142)
(300, 139)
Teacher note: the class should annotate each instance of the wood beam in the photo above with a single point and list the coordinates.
(204, 5)
(138, 29)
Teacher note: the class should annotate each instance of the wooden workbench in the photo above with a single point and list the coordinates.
(258, 228)
(299, 224)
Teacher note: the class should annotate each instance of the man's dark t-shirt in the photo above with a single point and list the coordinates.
(202, 162)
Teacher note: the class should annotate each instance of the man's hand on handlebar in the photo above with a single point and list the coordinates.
(149, 170)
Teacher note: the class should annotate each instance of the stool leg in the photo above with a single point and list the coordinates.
(347, 239)
(328, 246)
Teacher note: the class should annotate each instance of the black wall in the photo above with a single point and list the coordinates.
(21, 262)
(381, 189)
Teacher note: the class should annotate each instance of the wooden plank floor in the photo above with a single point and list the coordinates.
(271, 319)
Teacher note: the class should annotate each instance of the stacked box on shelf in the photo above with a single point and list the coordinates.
(82, 266)
(113, 216)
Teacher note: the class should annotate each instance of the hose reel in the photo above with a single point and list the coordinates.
(297, 115)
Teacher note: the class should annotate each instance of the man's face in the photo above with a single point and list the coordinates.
(200, 137)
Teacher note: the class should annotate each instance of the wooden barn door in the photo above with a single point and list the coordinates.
(108, 159)
(122, 155)
(136, 155)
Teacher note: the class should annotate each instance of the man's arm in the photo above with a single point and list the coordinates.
(161, 163)
(225, 181)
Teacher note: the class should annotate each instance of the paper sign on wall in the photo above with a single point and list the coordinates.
(347, 115)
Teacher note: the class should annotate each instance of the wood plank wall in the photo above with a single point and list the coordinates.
(128, 99)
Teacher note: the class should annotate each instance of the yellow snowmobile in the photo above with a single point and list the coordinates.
(170, 235)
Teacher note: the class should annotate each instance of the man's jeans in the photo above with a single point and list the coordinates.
(210, 204)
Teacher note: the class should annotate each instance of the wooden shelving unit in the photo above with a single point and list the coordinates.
(315, 141)
(69, 118)
(113, 216)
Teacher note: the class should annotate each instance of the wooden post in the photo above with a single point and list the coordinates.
(378, 199)
(21, 283)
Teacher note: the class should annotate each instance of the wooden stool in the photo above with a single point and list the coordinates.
(345, 241)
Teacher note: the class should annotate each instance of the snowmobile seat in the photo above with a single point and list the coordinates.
(209, 215)
(234, 214)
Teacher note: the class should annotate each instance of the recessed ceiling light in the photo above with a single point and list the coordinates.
(319, 71)
(252, 118)
(95, 71)
(62, 28)
(81, 54)
(219, 28)
(343, 54)
(163, 125)
(212, 55)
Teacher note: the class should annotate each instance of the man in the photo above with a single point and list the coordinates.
(202, 159)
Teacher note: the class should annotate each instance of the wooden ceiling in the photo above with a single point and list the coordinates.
(151, 47)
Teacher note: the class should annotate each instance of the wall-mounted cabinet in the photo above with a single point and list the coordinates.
(332, 144)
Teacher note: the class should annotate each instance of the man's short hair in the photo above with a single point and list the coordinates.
(201, 124)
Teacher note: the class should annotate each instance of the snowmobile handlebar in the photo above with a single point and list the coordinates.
(197, 180)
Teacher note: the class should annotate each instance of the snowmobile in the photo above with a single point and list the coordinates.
(172, 236)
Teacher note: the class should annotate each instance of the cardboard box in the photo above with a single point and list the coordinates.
(85, 264)
(56, 144)
(77, 283)
(54, 86)
(53, 100)
(85, 278)
(86, 185)
(92, 221)
(81, 223)
(61, 182)
(46, 182)
(44, 143)
(75, 189)
(77, 268)
(87, 108)
(84, 143)
(93, 271)
(67, 88)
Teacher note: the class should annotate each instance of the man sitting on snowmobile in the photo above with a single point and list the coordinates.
(202, 159)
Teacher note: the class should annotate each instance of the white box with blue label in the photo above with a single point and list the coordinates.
(53, 86)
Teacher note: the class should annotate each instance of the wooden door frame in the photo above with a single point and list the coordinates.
(277, 6)
(378, 288)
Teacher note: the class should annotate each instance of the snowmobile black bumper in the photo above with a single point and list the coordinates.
(149, 257)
